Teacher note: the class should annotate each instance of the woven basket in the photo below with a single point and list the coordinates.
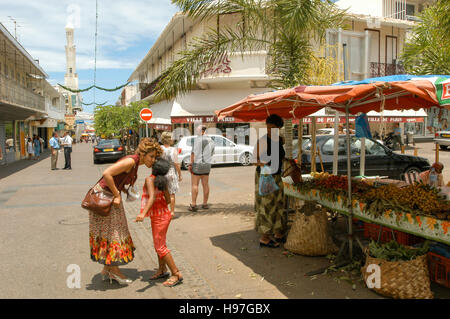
(309, 234)
(401, 279)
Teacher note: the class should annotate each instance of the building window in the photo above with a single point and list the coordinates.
(70, 70)
(410, 10)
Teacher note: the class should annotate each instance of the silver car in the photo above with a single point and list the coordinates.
(443, 139)
(225, 151)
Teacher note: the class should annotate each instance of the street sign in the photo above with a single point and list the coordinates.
(79, 121)
(146, 114)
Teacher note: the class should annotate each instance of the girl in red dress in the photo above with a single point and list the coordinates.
(154, 204)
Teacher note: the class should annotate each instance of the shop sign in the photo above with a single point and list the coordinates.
(204, 119)
(372, 119)
(217, 66)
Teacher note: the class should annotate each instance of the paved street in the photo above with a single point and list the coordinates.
(43, 229)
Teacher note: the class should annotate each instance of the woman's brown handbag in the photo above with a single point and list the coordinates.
(99, 200)
(293, 170)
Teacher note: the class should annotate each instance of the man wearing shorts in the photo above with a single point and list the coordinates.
(200, 166)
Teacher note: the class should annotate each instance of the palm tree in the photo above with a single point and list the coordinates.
(284, 28)
(428, 51)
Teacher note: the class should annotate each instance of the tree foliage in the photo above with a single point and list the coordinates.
(112, 119)
(428, 50)
(283, 28)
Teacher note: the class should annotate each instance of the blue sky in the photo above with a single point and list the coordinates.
(126, 31)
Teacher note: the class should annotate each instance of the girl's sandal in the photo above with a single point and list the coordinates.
(205, 206)
(172, 283)
(192, 208)
(159, 276)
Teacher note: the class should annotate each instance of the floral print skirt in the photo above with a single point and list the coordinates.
(109, 238)
(271, 218)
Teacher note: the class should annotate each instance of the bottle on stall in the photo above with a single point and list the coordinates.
(433, 178)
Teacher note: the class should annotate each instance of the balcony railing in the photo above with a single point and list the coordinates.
(12, 92)
(384, 69)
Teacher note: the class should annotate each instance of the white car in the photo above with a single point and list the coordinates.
(443, 139)
(225, 151)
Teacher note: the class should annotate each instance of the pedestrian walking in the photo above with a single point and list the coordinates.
(397, 138)
(174, 175)
(110, 241)
(41, 140)
(66, 142)
(54, 146)
(271, 221)
(200, 167)
(154, 204)
(37, 147)
(30, 148)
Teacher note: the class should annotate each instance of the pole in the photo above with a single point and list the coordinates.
(313, 146)
(362, 167)
(146, 129)
(336, 144)
(437, 153)
(349, 179)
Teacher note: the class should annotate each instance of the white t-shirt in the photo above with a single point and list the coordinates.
(67, 141)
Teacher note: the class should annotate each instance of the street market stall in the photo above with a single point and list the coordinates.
(299, 102)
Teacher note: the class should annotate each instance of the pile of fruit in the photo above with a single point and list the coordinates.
(417, 198)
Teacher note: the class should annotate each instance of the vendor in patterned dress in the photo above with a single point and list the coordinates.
(271, 221)
(174, 175)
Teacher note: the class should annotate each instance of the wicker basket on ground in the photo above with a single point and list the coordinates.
(400, 279)
(309, 233)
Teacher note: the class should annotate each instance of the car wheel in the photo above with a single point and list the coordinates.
(443, 147)
(410, 170)
(245, 159)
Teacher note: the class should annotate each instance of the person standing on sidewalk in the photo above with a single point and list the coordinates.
(67, 143)
(30, 148)
(154, 204)
(174, 175)
(41, 140)
(37, 147)
(54, 145)
(109, 237)
(200, 167)
(271, 221)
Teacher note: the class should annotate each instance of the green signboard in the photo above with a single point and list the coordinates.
(443, 90)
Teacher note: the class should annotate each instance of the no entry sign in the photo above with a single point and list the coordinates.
(146, 114)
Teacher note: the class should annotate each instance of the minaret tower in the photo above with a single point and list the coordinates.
(71, 77)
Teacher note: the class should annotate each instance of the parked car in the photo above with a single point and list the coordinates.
(380, 160)
(443, 139)
(108, 149)
(225, 151)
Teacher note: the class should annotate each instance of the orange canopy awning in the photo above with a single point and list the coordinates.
(302, 101)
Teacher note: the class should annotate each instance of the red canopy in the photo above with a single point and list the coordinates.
(302, 101)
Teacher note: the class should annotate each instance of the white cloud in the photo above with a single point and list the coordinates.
(122, 25)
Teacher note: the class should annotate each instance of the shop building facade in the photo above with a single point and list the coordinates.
(365, 47)
(28, 103)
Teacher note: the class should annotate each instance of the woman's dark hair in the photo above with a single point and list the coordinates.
(275, 120)
(159, 169)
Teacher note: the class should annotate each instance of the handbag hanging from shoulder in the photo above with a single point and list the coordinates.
(98, 200)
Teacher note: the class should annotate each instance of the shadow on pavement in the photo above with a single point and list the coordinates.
(219, 208)
(98, 284)
(9, 169)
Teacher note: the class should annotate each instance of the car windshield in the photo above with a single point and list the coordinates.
(306, 145)
(109, 142)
